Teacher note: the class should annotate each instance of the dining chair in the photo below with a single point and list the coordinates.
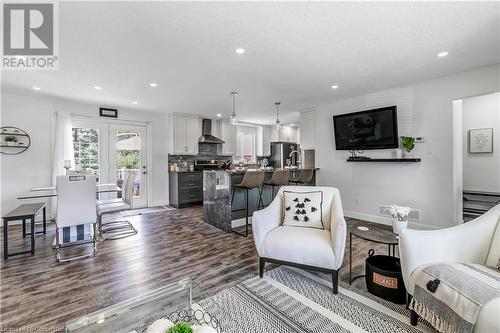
(75, 206)
(121, 228)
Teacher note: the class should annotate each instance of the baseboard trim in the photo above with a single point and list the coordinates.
(385, 220)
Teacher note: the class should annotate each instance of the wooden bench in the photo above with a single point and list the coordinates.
(24, 212)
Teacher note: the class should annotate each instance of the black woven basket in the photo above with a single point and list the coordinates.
(384, 278)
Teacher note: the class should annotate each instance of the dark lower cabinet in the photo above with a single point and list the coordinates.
(185, 188)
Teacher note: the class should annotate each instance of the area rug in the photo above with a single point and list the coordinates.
(144, 211)
(292, 300)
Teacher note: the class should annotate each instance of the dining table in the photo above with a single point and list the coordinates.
(51, 191)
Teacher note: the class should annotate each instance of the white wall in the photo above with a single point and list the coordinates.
(481, 172)
(429, 185)
(33, 112)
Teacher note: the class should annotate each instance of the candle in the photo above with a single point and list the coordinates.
(67, 164)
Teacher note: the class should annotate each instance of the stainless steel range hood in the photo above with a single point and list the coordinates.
(206, 133)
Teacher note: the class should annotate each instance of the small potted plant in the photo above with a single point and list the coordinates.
(10, 140)
(399, 217)
(407, 143)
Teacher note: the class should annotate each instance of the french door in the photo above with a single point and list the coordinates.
(110, 149)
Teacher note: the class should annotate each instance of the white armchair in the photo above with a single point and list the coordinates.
(308, 248)
(476, 242)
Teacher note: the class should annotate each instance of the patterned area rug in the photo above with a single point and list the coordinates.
(292, 300)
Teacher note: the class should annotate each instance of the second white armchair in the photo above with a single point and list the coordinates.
(308, 248)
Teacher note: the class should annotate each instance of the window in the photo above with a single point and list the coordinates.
(246, 137)
(86, 148)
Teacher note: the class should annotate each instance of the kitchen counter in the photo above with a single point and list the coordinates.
(236, 172)
(217, 193)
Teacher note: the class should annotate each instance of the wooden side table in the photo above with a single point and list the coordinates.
(24, 212)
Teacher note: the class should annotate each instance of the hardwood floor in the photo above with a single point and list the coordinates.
(39, 294)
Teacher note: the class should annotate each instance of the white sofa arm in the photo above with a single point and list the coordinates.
(265, 220)
(338, 229)
(468, 242)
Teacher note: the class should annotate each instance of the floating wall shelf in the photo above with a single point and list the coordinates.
(395, 160)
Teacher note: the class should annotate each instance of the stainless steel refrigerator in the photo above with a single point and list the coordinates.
(281, 151)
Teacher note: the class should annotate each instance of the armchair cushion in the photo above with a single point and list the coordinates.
(306, 246)
(303, 209)
(493, 259)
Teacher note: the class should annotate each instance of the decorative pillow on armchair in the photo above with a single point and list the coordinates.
(303, 209)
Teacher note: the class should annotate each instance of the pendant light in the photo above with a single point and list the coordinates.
(278, 122)
(234, 118)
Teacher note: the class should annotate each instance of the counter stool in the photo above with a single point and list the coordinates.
(305, 177)
(279, 178)
(251, 180)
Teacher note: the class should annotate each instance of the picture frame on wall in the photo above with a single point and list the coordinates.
(109, 113)
(480, 140)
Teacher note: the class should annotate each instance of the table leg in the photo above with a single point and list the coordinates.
(350, 257)
(5, 239)
(24, 228)
(44, 220)
(33, 235)
(389, 249)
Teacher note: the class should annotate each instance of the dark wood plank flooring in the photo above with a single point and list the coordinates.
(39, 294)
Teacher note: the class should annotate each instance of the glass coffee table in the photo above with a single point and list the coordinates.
(181, 301)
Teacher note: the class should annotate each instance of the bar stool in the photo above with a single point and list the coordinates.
(279, 178)
(305, 177)
(251, 180)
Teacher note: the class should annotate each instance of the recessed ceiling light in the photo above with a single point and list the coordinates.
(36, 88)
(292, 125)
(259, 121)
(219, 115)
(442, 54)
(97, 88)
(134, 102)
(240, 50)
(152, 84)
(335, 86)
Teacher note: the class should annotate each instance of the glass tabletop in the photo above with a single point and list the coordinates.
(50, 191)
(181, 301)
(378, 235)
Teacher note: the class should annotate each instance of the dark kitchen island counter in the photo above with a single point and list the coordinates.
(217, 191)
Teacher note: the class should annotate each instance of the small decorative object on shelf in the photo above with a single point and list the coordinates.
(408, 143)
(14, 140)
(399, 217)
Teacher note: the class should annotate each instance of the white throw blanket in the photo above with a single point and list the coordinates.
(458, 297)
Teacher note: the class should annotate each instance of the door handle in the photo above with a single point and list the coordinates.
(144, 171)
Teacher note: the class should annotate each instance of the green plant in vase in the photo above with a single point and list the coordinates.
(408, 143)
(180, 328)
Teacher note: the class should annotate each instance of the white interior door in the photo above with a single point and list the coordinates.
(127, 151)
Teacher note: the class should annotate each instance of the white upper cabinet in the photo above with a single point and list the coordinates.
(186, 132)
(228, 134)
(307, 129)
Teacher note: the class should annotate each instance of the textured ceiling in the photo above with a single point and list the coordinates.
(294, 52)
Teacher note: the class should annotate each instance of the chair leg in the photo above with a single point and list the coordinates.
(58, 247)
(261, 202)
(262, 263)
(232, 196)
(95, 237)
(246, 214)
(413, 318)
(335, 281)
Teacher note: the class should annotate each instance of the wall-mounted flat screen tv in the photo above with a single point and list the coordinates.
(370, 129)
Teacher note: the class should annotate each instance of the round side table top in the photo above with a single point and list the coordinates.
(376, 235)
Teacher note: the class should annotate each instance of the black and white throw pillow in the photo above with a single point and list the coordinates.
(303, 209)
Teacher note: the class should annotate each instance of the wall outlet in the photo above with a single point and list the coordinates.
(419, 139)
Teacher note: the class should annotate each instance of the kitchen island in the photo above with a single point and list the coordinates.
(217, 192)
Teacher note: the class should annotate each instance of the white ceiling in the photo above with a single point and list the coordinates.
(294, 52)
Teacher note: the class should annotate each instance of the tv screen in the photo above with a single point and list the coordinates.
(370, 129)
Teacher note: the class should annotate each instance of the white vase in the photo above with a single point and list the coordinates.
(397, 226)
(407, 154)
